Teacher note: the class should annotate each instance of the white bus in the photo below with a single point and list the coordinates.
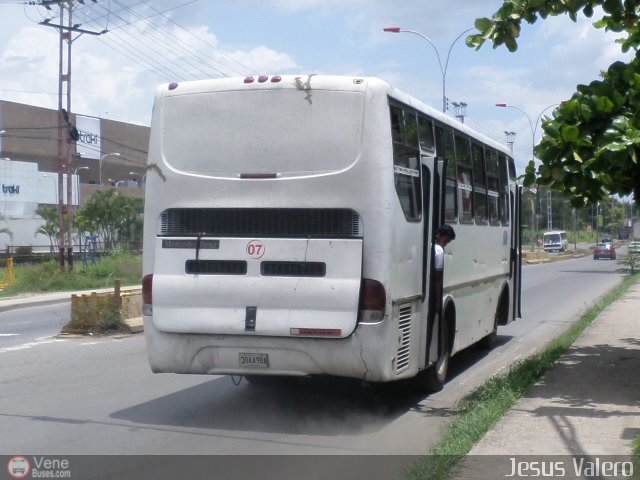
(289, 225)
(555, 241)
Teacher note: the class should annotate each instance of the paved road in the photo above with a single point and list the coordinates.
(22, 327)
(97, 395)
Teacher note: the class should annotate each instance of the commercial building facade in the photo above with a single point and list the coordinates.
(108, 154)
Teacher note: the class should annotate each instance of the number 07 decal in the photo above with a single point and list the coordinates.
(255, 249)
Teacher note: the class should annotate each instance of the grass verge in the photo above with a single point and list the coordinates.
(480, 411)
(46, 276)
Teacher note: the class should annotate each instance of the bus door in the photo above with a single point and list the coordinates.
(516, 252)
(432, 207)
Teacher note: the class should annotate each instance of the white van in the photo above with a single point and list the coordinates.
(555, 241)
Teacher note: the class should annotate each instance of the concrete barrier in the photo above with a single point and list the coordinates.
(100, 310)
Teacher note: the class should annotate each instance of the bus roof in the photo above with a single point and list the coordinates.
(308, 83)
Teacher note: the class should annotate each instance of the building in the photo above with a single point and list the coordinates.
(108, 154)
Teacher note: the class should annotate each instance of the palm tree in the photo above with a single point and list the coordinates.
(112, 216)
(51, 225)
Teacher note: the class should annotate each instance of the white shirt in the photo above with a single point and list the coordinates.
(438, 257)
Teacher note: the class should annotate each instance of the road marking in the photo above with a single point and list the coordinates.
(9, 334)
(28, 345)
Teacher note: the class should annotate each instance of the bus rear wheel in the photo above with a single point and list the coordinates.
(433, 378)
(502, 310)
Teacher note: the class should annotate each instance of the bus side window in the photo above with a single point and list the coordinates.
(479, 184)
(444, 149)
(406, 161)
(396, 123)
(465, 179)
(493, 185)
(425, 135)
(504, 172)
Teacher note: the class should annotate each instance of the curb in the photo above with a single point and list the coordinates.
(32, 303)
(9, 303)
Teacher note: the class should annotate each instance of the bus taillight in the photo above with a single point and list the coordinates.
(373, 300)
(147, 298)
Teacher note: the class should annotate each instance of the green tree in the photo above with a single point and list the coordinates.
(591, 145)
(113, 217)
(51, 226)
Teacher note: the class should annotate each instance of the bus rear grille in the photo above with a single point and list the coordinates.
(216, 267)
(293, 269)
(404, 321)
(260, 222)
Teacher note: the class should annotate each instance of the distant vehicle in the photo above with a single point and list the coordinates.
(555, 241)
(634, 247)
(606, 239)
(604, 250)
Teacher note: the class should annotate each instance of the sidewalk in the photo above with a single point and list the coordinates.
(588, 404)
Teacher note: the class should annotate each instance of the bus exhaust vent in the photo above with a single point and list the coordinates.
(260, 222)
(293, 269)
(216, 267)
(404, 321)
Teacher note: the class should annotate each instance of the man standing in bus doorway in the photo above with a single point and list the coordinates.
(444, 234)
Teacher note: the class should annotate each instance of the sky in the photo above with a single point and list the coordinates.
(151, 42)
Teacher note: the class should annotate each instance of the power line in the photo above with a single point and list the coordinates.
(164, 45)
(206, 43)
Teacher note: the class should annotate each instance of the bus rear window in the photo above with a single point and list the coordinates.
(268, 131)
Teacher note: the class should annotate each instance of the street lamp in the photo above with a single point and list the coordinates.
(443, 69)
(115, 154)
(533, 126)
(142, 177)
(115, 182)
(460, 110)
(511, 138)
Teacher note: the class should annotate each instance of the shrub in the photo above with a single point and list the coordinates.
(631, 262)
(23, 250)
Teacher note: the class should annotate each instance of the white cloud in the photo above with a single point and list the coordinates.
(112, 75)
(266, 60)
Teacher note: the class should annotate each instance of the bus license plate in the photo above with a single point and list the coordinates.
(254, 360)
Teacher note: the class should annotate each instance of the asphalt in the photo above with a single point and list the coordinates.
(587, 405)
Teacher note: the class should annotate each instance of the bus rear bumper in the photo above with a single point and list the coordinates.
(253, 355)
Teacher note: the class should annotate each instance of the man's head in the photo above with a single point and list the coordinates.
(444, 234)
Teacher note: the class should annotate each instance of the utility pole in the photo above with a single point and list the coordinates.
(67, 133)
(549, 211)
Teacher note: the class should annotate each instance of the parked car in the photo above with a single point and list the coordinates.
(634, 247)
(604, 250)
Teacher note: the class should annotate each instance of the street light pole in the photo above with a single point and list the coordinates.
(115, 154)
(533, 126)
(75, 173)
(443, 68)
